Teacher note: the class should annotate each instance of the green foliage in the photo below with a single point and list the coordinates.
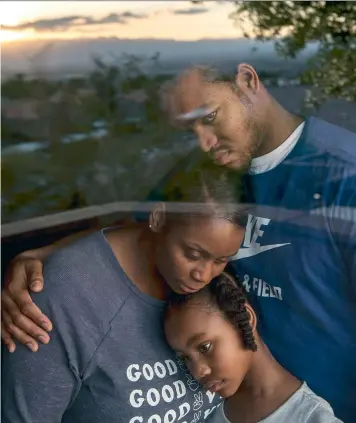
(332, 24)
(11, 134)
(123, 165)
(20, 87)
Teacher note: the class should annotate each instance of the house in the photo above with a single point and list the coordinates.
(133, 106)
(22, 109)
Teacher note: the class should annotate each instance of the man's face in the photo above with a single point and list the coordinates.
(225, 120)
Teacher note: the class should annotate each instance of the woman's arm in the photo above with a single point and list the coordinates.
(40, 387)
(37, 387)
(21, 319)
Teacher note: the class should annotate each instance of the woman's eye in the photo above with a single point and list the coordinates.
(209, 118)
(193, 255)
(205, 347)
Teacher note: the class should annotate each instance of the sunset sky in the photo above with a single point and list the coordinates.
(180, 20)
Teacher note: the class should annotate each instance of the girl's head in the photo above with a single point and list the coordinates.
(194, 237)
(214, 332)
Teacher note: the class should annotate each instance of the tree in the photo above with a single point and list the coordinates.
(106, 81)
(20, 87)
(332, 24)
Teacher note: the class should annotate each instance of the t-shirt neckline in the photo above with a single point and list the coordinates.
(128, 282)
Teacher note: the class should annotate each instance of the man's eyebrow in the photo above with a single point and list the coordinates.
(232, 255)
(197, 113)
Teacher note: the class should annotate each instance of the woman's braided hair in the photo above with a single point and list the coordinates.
(226, 294)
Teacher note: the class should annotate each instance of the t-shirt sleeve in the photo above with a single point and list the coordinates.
(322, 414)
(218, 415)
(39, 387)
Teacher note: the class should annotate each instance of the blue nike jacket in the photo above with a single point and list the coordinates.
(298, 262)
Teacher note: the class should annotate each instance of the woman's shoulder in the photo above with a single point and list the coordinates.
(83, 292)
(82, 262)
(78, 252)
(84, 276)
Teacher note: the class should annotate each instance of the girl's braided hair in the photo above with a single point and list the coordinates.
(226, 294)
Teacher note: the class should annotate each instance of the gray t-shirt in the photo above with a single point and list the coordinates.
(302, 407)
(108, 360)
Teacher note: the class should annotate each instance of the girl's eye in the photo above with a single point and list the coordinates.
(184, 358)
(205, 348)
(209, 118)
(221, 261)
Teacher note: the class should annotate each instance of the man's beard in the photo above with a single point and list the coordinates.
(248, 152)
(256, 135)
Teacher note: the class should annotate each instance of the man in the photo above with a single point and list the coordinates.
(298, 260)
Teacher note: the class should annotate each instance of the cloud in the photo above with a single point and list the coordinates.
(45, 24)
(191, 11)
(120, 18)
(111, 18)
(68, 22)
(133, 15)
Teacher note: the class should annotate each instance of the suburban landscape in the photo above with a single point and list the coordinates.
(81, 119)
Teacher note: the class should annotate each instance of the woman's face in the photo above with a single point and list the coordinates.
(191, 252)
(211, 347)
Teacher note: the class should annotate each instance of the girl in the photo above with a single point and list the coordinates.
(107, 359)
(214, 332)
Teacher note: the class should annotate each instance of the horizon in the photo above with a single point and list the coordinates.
(72, 56)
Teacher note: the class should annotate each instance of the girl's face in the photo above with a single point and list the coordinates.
(189, 253)
(211, 347)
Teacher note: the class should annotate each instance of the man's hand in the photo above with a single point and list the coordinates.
(21, 319)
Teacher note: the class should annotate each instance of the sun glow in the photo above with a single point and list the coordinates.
(6, 36)
(12, 13)
(18, 19)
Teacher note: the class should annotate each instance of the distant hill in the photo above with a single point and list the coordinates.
(64, 57)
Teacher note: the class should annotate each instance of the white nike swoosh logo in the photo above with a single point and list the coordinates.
(253, 251)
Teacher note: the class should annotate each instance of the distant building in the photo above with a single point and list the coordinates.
(23, 118)
(24, 109)
(133, 105)
(85, 92)
(57, 97)
(137, 96)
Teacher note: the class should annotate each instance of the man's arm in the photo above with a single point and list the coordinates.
(342, 218)
(344, 222)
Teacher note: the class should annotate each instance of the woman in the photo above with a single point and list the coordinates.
(107, 360)
(214, 333)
